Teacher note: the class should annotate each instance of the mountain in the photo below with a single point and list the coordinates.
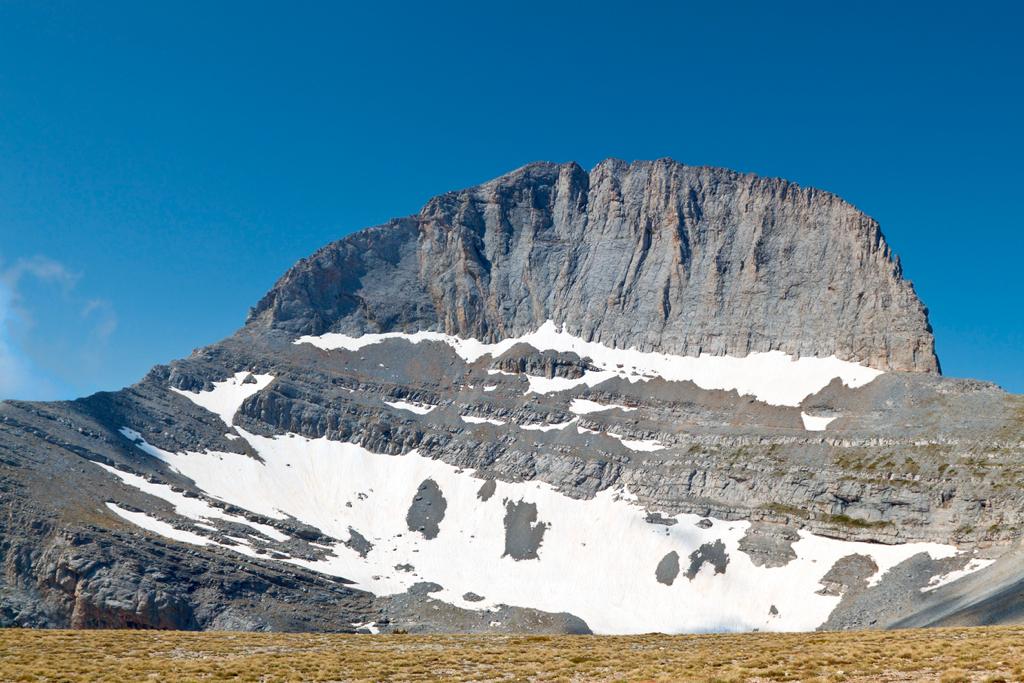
(648, 397)
(652, 255)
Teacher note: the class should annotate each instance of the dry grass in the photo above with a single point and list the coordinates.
(946, 655)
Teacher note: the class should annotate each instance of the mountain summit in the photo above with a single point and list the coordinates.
(651, 397)
(654, 255)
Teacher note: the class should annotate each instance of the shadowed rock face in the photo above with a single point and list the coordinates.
(359, 543)
(523, 533)
(653, 254)
(524, 359)
(427, 509)
(668, 568)
(710, 553)
(487, 490)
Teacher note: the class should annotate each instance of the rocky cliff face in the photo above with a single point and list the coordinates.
(653, 255)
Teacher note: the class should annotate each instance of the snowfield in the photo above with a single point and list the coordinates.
(599, 559)
(772, 377)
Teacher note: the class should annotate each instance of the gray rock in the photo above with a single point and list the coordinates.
(523, 533)
(487, 490)
(653, 254)
(769, 545)
(426, 510)
(709, 553)
(668, 569)
(524, 359)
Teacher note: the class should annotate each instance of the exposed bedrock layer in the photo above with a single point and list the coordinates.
(653, 254)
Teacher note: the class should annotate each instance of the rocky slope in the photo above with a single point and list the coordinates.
(439, 424)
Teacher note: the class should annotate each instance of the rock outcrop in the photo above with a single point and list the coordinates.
(654, 255)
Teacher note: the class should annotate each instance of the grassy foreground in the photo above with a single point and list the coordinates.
(947, 655)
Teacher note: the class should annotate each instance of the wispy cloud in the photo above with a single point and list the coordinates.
(24, 368)
(101, 313)
(41, 268)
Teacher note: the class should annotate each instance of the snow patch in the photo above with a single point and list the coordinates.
(193, 508)
(130, 434)
(815, 424)
(648, 445)
(938, 580)
(544, 427)
(772, 377)
(158, 526)
(418, 408)
(582, 406)
(141, 443)
(370, 626)
(227, 397)
(474, 420)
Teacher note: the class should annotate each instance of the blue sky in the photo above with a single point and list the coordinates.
(162, 163)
